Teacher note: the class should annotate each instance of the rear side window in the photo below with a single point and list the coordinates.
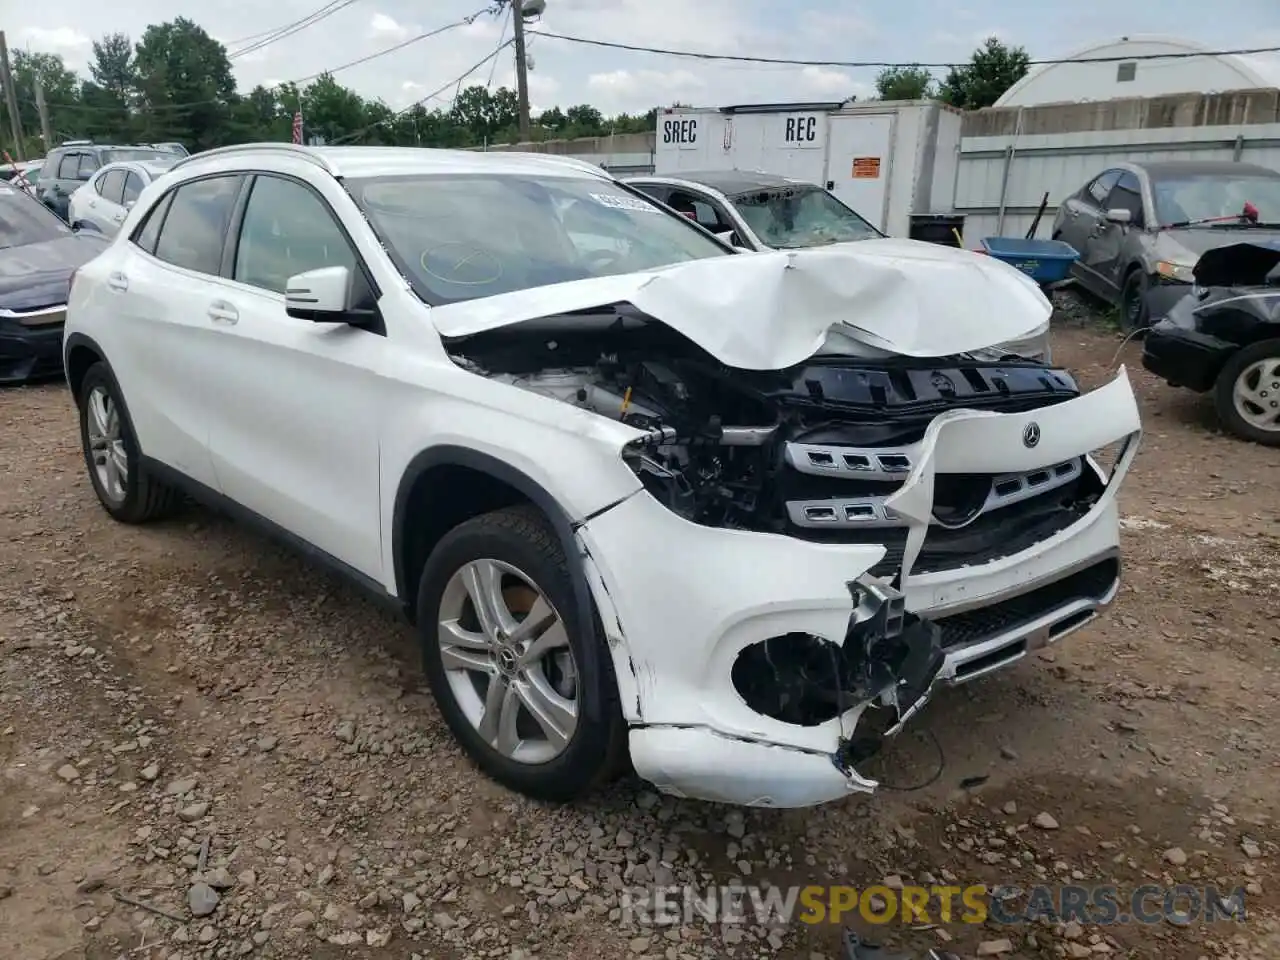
(195, 228)
(88, 164)
(70, 166)
(49, 170)
(111, 185)
(150, 232)
(132, 187)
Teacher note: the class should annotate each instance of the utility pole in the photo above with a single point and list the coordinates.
(45, 133)
(522, 67)
(11, 99)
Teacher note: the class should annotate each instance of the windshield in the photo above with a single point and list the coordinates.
(1179, 199)
(462, 237)
(118, 154)
(24, 220)
(803, 216)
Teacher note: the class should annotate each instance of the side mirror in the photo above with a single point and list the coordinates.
(1119, 216)
(325, 296)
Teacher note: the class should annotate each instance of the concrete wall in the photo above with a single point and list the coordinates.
(625, 153)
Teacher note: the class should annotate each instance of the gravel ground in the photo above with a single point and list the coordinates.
(203, 724)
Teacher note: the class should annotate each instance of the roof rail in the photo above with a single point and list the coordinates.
(76, 143)
(292, 149)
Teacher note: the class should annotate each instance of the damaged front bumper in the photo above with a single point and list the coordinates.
(711, 628)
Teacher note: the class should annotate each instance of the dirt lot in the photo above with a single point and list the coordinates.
(188, 684)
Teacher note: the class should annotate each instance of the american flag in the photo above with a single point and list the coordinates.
(297, 127)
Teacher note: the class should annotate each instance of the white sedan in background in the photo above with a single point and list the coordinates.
(103, 202)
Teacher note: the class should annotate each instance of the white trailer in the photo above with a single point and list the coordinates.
(888, 160)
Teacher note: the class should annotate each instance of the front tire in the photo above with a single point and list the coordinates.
(125, 488)
(508, 661)
(1247, 393)
(1134, 314)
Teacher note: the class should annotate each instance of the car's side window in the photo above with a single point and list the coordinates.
(1127, 195)
(1100, 187)
(195, 227)
(132, 188)
(69, 168)
(88, 164)
(113, 186)
(705, 213)
(656, 191)
(149, 232)
(287, 229)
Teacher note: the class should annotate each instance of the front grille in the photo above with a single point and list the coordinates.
(1091, 583)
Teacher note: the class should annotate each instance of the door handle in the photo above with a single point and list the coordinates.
(118, 281)
(222, 312)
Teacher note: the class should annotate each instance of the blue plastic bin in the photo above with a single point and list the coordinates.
(1044, 261)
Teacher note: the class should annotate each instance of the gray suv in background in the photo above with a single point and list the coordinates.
(71, 164)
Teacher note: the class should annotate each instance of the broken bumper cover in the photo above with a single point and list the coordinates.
(681, 603)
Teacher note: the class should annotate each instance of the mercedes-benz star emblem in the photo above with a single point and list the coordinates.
(1031, 434)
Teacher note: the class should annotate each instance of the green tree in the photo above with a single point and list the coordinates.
(585, 121)
(61, 96)
(185, 87)
(106, 99)
(331, 110)
(992, 70)
(904, 83)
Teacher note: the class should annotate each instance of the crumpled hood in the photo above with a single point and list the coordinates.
(772, 310)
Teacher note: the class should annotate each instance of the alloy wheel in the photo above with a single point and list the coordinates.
(1256, 394)
(106, 445)
(507, 659)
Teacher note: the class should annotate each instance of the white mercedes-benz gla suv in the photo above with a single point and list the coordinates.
(735, 514)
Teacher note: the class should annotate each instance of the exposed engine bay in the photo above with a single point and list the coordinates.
(812, 452)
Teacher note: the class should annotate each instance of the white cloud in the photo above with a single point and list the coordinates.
(610, 79)
(384, 26)
(58, 39)
(826, 80)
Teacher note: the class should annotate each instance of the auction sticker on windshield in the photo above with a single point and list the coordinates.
(623, 203)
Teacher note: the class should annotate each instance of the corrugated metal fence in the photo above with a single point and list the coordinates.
(1011, 156)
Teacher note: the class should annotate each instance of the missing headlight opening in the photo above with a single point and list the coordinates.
(812, 451)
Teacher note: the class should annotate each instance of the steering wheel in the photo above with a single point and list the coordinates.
(461, 263)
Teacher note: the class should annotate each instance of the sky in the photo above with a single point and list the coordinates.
(926, 31)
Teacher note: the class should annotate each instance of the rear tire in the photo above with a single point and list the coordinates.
(1247, 393)
(514, 697)
(125, 488)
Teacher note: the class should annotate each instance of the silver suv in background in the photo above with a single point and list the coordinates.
(103, 202)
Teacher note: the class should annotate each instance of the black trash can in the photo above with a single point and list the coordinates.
(938, 228)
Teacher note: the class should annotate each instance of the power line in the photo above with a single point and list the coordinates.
(264, 33)
(430, 96)
(465, 21)
(493, 67)
(297, 26)
(742, 58)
